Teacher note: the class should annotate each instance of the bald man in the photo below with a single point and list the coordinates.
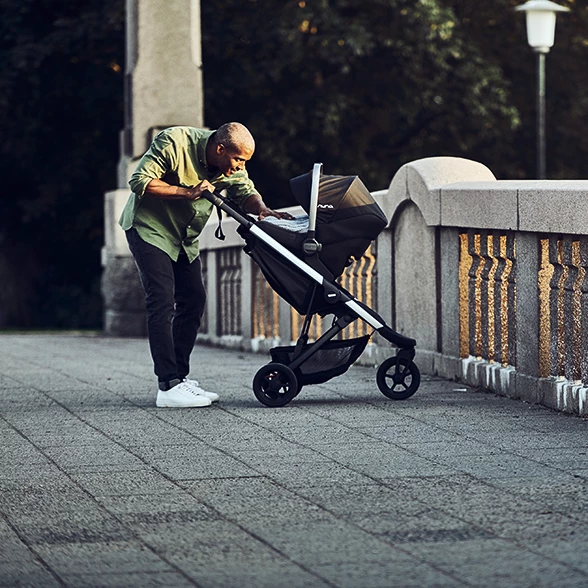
(162, 219)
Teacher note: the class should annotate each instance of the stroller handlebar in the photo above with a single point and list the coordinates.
(219, 200)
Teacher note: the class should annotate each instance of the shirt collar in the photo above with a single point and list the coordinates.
(201, 150)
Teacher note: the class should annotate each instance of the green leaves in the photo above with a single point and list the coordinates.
(362, 85)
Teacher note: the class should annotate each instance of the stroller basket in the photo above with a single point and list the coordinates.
(332, 359)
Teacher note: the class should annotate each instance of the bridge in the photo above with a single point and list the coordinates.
(490, 277)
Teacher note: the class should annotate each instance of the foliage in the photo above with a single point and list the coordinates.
(367, 85)
(60, 114)
(362, 85)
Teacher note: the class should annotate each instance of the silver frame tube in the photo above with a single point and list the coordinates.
(314, 194)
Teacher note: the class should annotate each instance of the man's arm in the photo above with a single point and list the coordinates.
(161, 189)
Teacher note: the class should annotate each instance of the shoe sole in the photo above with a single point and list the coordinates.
(167, 405)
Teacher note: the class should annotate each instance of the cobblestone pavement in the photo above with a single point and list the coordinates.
(340, 488)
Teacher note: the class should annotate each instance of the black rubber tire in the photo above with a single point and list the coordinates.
(275, 384)
(398, 379)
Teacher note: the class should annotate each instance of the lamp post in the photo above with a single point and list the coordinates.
(541, 36)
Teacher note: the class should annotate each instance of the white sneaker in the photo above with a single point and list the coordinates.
(182, 395)
(196, 386)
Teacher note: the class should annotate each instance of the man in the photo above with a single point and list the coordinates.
(163, 218)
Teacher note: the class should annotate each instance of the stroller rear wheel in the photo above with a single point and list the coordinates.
(275, 384)
(398, 378)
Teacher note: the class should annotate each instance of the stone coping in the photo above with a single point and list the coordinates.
(455, 192)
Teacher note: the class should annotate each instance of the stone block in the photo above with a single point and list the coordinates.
(421, 181)
(478, 205)
(415, 312)
(115, 242)
(124, 300)
(166, 84)
(553, 206)
(528, 388)
(449, 367)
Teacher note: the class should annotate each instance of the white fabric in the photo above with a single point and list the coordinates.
(299, 224)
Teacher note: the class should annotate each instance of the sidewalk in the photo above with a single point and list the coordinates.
(341, 488)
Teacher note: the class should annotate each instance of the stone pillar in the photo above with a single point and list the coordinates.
(415, 278)
(448, 300)
(163, 88)
(527, 316)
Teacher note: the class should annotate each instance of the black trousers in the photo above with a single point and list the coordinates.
(175, 300)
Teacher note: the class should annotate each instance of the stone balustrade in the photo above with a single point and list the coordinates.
(489, 276)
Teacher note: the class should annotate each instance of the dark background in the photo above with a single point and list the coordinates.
(362, 85)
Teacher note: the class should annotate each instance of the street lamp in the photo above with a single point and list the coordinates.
(541, 36)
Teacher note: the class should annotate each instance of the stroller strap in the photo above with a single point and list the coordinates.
(219, 229)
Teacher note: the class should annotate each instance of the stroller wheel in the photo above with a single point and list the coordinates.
(275, 385)
(398, 379)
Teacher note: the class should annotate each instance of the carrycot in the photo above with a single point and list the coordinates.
(348, 220)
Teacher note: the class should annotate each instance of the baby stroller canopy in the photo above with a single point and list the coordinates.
(340, 197)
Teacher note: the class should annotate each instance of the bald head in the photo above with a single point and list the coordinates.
(234, 135)
(230, 148)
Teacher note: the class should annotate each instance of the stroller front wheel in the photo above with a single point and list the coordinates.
(398, 379)
(275, 384)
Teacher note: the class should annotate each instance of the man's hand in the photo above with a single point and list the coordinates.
(196, 192)
(264, 212)
(255, 205)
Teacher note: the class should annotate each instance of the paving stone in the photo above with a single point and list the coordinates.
(26, 574)
(98, 557)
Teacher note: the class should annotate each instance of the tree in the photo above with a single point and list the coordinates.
(60, 114)
(362, 85)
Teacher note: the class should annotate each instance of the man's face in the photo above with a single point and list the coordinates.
(231, 160)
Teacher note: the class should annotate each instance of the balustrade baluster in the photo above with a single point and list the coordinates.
(510, 319)
(555, 257)
(500, 302)
(486, 295)
(229, 288)
(568, 344)
(583, 306)
(474, 293)
(204, 266)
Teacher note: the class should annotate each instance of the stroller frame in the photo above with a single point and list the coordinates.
(278, 382)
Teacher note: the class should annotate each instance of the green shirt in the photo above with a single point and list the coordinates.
(177, 156)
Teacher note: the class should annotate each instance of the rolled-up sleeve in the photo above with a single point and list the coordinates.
(157, 161)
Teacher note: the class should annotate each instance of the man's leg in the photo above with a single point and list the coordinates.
(157, 276)
(190, 297)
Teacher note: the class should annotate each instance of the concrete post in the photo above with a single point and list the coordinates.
(527, 316)
(448, 298)
(163, 88)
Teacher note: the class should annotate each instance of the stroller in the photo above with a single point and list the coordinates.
(301, 260)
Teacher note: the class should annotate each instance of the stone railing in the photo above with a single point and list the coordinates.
(490, 277)
(500, 298)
